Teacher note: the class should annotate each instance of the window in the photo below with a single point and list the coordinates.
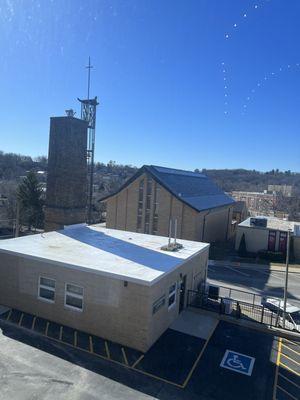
(74, 296)
(155, 210)
(148, 205)
(140, 205)
(46, 289)
(172, 296)
(158, 304)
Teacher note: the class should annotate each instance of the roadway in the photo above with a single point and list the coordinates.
(256, 279)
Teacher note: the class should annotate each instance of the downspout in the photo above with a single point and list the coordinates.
(226, 237)
(203, 227)
(206, 267)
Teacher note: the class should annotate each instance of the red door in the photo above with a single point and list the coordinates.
(272, 240)
(282, 242)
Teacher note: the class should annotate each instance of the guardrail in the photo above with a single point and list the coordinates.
(235, 308)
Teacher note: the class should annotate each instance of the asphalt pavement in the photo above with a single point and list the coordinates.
(232, 363)
(255, 279)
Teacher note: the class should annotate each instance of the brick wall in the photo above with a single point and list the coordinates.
(66, 194)
(122, 211)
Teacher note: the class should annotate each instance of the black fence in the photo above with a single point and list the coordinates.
(235, 308)
(239, 295)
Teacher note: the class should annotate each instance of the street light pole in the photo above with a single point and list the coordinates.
(286, 275)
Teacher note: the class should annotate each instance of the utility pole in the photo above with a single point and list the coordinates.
(286, 275)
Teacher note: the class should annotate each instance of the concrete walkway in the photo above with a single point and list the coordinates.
(195, 324)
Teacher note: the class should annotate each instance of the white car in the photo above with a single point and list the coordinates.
(292, 312)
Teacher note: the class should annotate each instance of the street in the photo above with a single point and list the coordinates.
(255, 279)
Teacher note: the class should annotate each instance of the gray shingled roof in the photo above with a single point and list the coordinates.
(195, 189)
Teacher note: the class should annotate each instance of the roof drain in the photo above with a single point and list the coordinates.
(172, 246)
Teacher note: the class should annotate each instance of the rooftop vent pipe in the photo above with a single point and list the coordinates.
(172, 246)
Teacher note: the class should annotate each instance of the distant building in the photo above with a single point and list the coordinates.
(268, 234)
(118, 285)
(155, 195)
(258, 203)
(5, 221)
(285, 190)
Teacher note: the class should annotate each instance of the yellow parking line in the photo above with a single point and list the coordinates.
(199, 356)
(108, 355)
(33, 323)
(294, 351)
(294, 343)
(60, 332)
(124, 356)
(107, 350)
(158, 378)
(277, 368)
(91, 344)
(289, 369)
(137, 361)
(9, 315)
(291, 359)
(121, 364)
(21, 319)
(91, 351)
(287, 379)
(289, 394)
(47, 327)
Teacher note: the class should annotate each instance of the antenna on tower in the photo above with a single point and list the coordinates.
(88, 113)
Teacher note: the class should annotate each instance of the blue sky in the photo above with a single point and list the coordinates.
(186, 84)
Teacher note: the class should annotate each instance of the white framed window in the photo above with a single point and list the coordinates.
(158, 304)
(46, 290)
(74, 296)
(172, 296)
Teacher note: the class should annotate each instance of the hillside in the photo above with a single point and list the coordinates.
(111, 175)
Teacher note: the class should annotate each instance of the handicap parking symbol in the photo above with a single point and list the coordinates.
(238, 362)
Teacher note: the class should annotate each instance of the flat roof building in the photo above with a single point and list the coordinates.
(268, 234)
(115, 284)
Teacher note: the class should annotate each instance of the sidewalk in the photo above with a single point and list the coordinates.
(295, 268)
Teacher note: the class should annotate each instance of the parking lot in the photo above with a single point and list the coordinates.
(287, 379)
(177, 366)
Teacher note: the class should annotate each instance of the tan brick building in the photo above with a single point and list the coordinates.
(268, 236)
(118, 285)
(155, 195)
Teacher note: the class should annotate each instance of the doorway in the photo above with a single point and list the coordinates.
(182, 290)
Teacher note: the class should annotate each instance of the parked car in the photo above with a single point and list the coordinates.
(292, 312)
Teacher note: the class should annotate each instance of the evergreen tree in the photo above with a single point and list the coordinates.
(242, 247)
(30, 197)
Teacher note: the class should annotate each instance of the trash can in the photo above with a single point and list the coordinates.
(228, 305)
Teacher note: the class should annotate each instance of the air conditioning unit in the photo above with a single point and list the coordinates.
(256, 221)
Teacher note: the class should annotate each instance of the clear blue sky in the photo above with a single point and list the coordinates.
(179, 84)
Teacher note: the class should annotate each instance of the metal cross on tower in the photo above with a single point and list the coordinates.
(88, 113)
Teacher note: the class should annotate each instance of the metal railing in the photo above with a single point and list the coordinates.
(235, 308)
(238, 294)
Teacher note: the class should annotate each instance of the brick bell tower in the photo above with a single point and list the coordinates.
(66, 196)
